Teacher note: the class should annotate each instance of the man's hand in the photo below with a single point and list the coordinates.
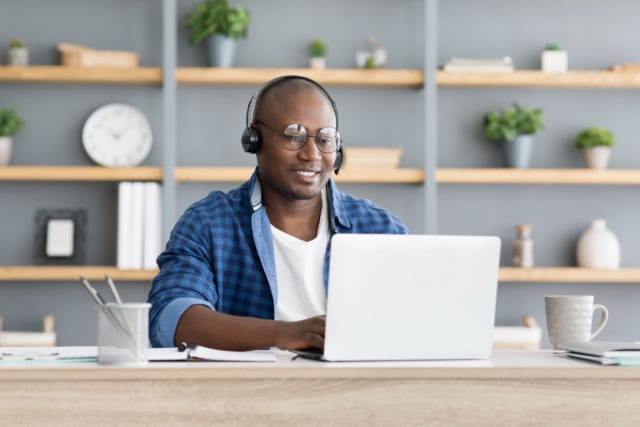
(302, 334)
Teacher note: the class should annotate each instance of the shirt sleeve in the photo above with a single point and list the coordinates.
(185, 279)
(164, 329)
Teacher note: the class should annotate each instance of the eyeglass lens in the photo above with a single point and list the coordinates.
(295, 136)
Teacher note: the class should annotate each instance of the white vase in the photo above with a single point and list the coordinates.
(597, 157)
(598, 247)
(5, 150)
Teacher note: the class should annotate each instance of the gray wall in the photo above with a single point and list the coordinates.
(210, 120)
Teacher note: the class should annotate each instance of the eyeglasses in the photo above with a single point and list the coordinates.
(294, 137)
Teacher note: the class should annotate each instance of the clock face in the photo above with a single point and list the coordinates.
(117, 135)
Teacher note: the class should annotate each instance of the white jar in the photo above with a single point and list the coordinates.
(598, 247)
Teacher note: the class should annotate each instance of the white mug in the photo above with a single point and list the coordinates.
(570, 317)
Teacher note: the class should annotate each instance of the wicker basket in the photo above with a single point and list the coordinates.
(73, 55)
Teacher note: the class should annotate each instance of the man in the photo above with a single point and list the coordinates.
(248, 269)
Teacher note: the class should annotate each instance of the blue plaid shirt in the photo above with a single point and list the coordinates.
(220, 254)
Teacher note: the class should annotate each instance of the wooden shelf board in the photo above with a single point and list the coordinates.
(536, 78)
(79, 173)
(64, 74)
(71, 273)
(507, 274)
(538, 176)
(239, 174)
(569, 274)
(335, 77)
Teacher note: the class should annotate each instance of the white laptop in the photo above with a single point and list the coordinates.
(410, 297)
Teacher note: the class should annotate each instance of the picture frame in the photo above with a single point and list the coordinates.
(60, 236)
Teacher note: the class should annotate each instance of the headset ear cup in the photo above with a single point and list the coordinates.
(337, 164)
(250, 140)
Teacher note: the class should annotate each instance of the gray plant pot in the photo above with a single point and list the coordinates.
(6, 143)
(517, 152)
(18, 56)
(597, 157)
(222, 50)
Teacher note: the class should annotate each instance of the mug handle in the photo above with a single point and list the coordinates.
(604, 316)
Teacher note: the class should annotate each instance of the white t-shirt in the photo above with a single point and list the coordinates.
(299, 268)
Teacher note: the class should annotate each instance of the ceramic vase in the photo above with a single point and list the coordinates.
(5, 150)
(598, 247)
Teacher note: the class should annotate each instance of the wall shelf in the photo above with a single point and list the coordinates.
(538, 176)
(208, 75)
(239, 174)
(60, 74)
(536, 78)
(335, 77)
(569, 274)
(72, 273)
(79, 173)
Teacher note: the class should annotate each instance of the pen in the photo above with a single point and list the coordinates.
(114, 290)
(94, 293)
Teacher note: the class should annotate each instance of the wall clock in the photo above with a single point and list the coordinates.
(117, 135)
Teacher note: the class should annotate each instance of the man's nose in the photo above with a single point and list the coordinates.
(310, 149)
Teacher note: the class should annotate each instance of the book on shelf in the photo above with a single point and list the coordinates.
(479, 65)
(605, 352)
(139, 225)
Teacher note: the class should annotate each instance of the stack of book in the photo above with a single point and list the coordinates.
(480, 65)
(606, 352)
(139, 225)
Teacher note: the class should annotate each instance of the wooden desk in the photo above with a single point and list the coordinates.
(524, 388)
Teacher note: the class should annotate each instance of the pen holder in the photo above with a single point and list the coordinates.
(122, 334)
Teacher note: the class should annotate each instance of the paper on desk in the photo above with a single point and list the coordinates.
(48, 353)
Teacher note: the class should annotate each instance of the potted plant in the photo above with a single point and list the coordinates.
(221, 26)
(10, 124)
(596, 143)
(554, 59)
(318, 53)
(18, 53)
(514, 128)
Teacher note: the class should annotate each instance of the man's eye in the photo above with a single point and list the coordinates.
(294, 138)
(326, 141)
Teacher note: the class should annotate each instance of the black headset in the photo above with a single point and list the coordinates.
(251, 139)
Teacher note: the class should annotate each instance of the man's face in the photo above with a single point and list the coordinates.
(301, 174)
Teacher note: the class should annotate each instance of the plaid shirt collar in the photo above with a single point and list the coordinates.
(337, 213)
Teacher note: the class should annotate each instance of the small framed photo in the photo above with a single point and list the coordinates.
(60, 236)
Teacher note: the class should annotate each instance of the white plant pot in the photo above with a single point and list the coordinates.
(555, 61)
(5, 150)
(318, 63)
(18, 56)
(597, 157)
(598, 247)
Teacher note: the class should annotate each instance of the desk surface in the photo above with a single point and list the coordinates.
(513, 388)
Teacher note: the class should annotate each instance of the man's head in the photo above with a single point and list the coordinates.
(293, 133)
